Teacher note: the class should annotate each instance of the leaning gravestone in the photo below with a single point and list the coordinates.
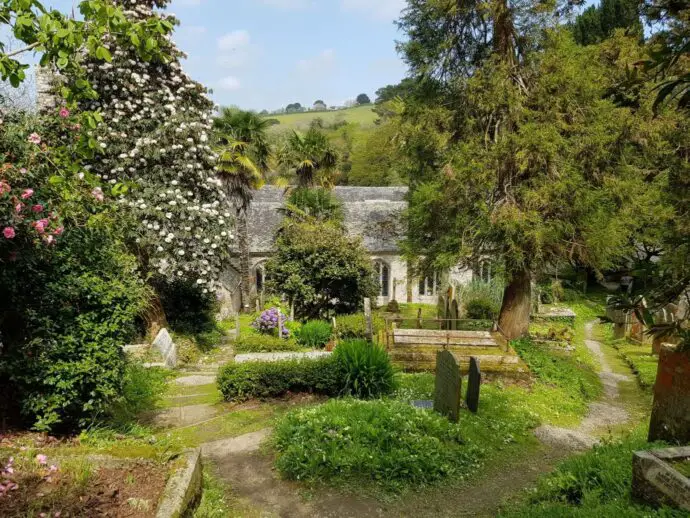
(448, 383)
(473, 385)
(164, 343)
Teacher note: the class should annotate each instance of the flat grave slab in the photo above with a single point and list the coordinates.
(657, 479)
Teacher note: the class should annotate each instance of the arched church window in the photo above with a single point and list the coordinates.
(383, 273)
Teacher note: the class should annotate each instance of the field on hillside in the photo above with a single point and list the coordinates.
(363, 115)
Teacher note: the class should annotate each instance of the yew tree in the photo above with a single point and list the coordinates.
(542, 166)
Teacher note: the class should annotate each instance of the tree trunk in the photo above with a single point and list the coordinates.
(513, 321)
(155, 316)
(245, 270)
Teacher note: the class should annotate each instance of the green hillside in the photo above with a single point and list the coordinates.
(363, 115)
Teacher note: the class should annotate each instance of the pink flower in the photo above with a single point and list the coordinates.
(37, 208)
(53, 468)
(41, 225)
(49, 240)
(19, 207)
(64, 112)
(42, 459)
(28, 193)
(59, 231)
(4, 187)
(8, 232)
(23, 170)
(97, 193)
(34, 138)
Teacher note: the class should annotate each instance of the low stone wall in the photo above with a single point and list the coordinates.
(183, 488)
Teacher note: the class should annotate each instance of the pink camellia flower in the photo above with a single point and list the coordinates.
(49, 239)
(19, 207)
(8, 232)
(28, 193)
(64, 112)
(97, 193)
(37, 208)
(41, 225)
(34, 138)
(59, 231)
(42, 459)
(4, 187)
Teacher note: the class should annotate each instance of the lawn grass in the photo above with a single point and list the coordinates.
(362, 115)
(642, 362)
(596, 483)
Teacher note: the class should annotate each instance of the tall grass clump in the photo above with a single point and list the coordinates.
(367, 369)
(315, 334)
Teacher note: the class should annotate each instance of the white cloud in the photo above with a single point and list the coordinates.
(229, 84)
(233, 41)
(323, 61)
(385, 10)
(286, 4)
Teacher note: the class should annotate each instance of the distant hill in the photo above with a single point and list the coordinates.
(363, 115)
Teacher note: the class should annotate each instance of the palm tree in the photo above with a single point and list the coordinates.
(309, 156)
(243, 163)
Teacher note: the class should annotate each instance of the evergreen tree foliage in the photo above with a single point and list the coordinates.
(595, 24)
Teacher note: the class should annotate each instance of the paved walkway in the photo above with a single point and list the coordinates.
(276, 357)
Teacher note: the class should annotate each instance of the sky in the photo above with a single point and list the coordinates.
(265, 54)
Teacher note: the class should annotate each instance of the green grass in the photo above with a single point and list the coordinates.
(640, 359)
(594, 484)
(362, 115)
(213, 503)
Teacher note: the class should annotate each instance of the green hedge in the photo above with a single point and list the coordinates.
(255, 343)
(354, 326)
(315, 334)
(243, 381)
(357, 368)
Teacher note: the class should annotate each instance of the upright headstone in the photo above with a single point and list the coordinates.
(367, 318)
(164, 343)
(474, 383)
(454, 315)
(670, 419)
(448, 383)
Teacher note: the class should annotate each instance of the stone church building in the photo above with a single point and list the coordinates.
(372, 213)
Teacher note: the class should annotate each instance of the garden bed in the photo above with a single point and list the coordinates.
(80, 487)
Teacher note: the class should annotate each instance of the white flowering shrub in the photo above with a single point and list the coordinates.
(157, 159)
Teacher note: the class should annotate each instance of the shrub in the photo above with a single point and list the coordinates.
(481, 300)
(243, 381)
(142, 387)
(315, 334)
(481, 309)
(320, 268)
(388, 443)
(268, 321)
(355, 326)
(253, 343)
(393, 307)
(367, 369)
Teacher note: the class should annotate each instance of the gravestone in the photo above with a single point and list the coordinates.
(454, 315)
(448, 383)
(656, 480)
(473, 385)
(367, 317)
(164, 343)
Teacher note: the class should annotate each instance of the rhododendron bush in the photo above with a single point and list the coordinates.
(70, 293)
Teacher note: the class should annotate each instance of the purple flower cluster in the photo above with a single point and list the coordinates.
(267, 323)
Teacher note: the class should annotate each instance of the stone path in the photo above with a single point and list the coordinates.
(276, 357)
(604, 413)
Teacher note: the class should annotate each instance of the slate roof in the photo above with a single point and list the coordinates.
(374, 213)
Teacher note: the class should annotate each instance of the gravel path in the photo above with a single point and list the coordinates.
(604, 413)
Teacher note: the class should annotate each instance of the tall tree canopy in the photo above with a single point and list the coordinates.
(597, 23)
(541, 167)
